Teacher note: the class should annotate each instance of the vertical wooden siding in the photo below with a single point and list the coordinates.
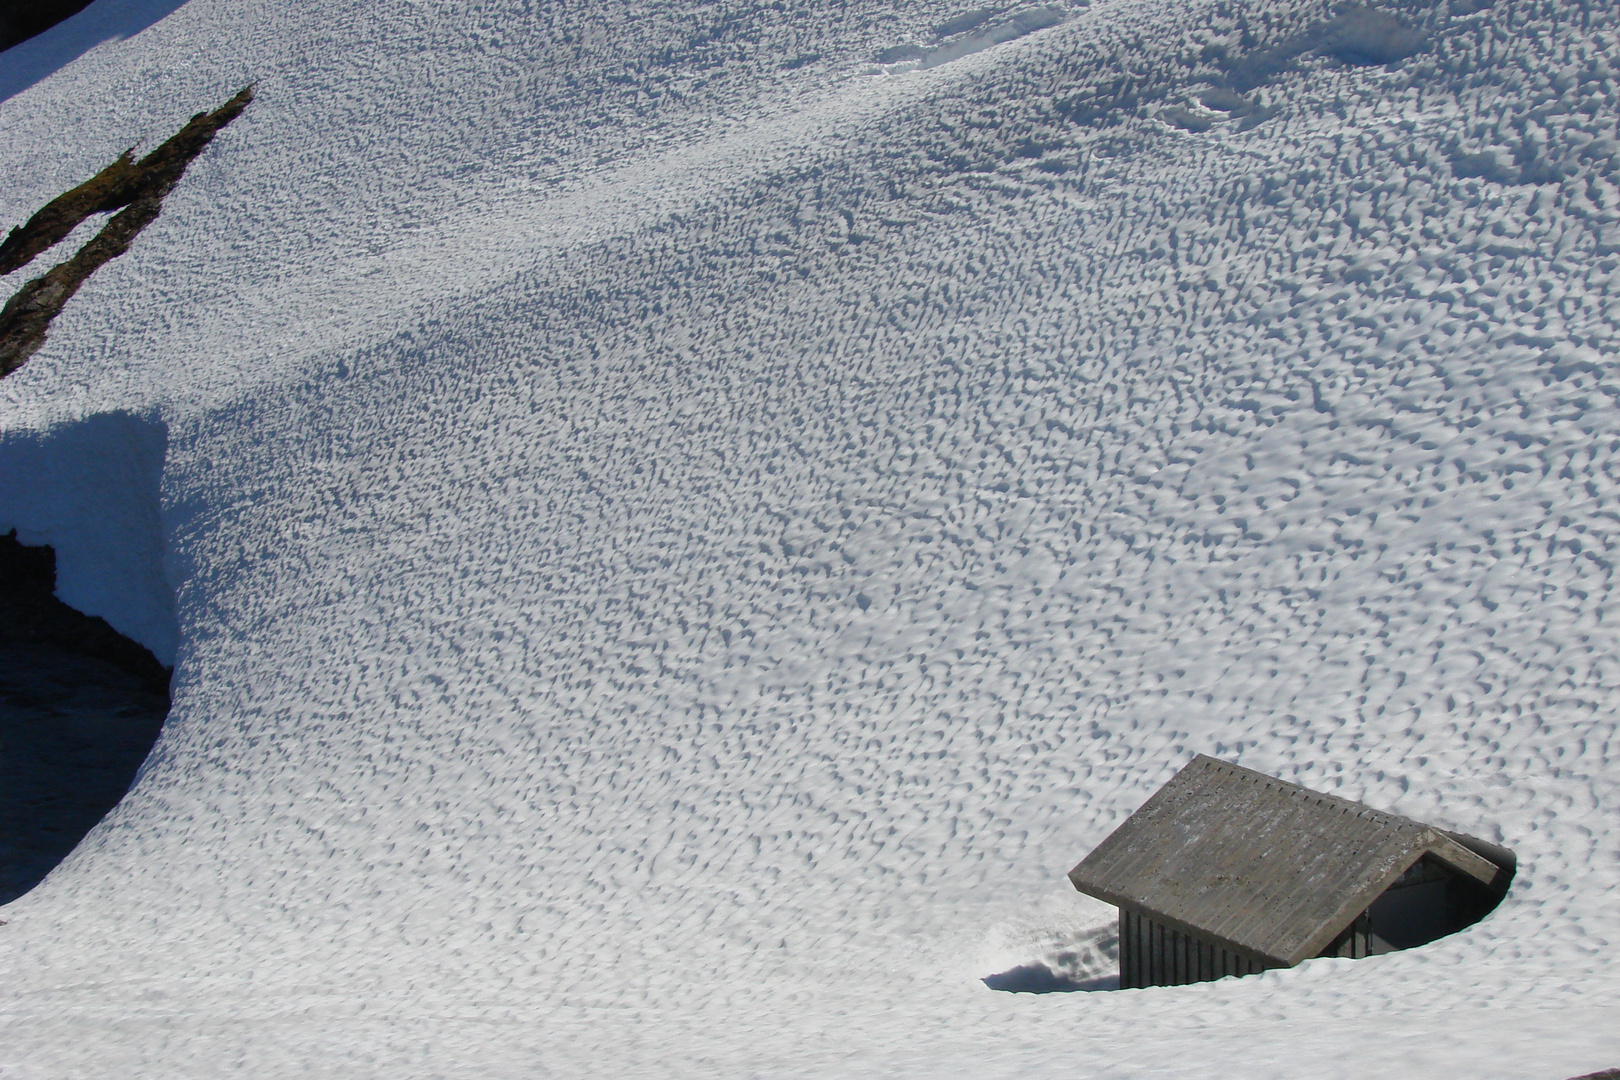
(1152, 954)
(1355, 942)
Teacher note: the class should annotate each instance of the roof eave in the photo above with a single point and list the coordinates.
(1439, 845)
(1126, 903)
(1350, 911)
(1462, 859)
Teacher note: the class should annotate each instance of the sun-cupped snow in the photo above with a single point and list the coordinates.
(682, 531)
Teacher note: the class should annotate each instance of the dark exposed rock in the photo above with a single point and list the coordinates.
(138, 187)
(31, 614)
(26, 572)
(118, 185)
(108, 190)
(27, 316)
(22, 19)
(73, 732)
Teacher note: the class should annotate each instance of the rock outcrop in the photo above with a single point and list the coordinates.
(31, 614)
(136, 189)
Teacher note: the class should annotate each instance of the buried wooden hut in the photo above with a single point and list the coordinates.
(1226, 871)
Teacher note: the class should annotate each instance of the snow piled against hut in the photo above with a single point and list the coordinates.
(678, 524)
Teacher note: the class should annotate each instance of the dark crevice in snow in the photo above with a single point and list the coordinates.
(80, 707)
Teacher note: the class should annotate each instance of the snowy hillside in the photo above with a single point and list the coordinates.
(675, 534)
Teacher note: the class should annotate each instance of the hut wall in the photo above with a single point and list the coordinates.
(1152, 954)
(1355, 942)
(1429, 901)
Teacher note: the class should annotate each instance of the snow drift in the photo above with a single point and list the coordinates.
(679, 537)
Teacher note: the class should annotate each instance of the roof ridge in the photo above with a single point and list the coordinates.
(1288, 786)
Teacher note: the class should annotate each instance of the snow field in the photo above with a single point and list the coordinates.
(696, 638)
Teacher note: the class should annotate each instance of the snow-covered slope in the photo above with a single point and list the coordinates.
(680, 534)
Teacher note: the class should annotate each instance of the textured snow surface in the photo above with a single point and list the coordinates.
(680, 534)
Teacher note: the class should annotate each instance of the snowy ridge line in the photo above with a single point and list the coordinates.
(506, 230)
(491, 242)
(501, 229)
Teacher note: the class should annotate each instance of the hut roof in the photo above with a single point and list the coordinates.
(1261, 866)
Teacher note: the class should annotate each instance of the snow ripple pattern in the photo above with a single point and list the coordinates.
(680, 542)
